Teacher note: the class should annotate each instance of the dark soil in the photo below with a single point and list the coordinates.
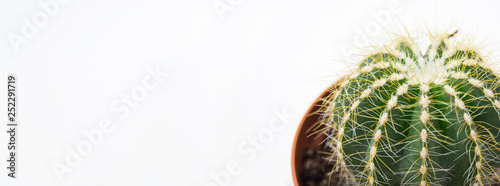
(317, 169)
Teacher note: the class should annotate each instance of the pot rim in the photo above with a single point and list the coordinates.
(302, 139)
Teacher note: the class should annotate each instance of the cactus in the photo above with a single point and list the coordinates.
(405, 117)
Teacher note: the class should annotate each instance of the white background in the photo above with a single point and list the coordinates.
(233, 66)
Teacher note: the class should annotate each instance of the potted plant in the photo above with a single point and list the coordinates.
(405, 117)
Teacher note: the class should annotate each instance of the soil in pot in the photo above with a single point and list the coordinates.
(317, 170)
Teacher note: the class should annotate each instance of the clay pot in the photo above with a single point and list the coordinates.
(304, 139)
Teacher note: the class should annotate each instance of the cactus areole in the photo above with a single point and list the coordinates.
(412, 117)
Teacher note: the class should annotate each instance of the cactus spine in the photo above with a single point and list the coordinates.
(410, 118)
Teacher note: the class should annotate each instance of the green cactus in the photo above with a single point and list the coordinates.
(407, 118)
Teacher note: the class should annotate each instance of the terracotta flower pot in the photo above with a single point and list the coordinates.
(304, 139)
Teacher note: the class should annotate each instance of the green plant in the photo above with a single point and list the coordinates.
(406, 118)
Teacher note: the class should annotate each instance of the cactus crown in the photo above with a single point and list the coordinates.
(410, 118)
